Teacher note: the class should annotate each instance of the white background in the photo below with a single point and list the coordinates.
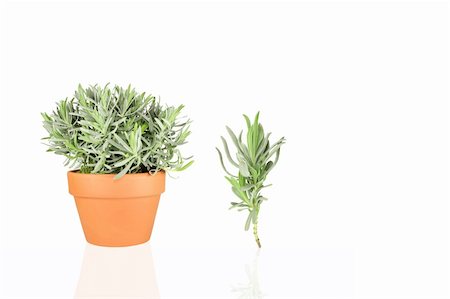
(359, 204)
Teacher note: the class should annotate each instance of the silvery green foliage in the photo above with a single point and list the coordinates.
(116, 130)
(255, 158)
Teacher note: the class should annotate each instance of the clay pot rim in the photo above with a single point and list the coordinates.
(132, 185)
(77, 172)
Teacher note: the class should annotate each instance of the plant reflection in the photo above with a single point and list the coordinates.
(251, 289)
(117, 272)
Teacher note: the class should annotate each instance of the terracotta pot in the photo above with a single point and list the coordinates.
(116, 212)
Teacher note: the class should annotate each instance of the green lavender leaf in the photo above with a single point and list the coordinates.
(256, 157)
(117, 130)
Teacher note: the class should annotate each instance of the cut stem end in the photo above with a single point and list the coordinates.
(255, 233)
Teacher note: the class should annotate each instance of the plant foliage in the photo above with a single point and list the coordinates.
(255, 158)
(117, 130)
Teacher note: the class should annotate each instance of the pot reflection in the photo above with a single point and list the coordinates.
(117, 272)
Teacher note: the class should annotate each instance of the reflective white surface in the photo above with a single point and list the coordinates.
(145, 272)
